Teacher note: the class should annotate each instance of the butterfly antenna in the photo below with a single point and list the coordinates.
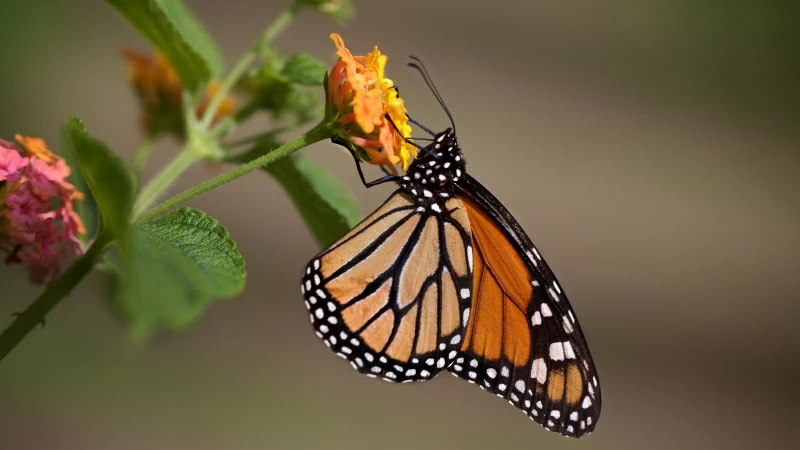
(422, 149)
(424, 128)
(425, 75)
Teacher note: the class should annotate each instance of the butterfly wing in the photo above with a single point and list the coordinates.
(390, 296)
(523, 341)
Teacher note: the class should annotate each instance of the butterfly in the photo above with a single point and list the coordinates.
(442, 277)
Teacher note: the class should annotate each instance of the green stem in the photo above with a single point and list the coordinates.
(277, 26)
(164, 180)
(261, 48)
(318, 133)
(230, 80)
(253, 138)
(36, 312)
(142, 155)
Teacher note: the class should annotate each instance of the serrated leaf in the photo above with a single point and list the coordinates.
(170, 27)
(327, 206)
(304, 69)
(108, 179)
(86, 207)
(178, 265)
(195, 33)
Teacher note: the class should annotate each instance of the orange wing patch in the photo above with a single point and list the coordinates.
(501, 293)
(522, 340)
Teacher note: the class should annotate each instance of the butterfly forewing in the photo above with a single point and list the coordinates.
(523, 342)
(393, 295)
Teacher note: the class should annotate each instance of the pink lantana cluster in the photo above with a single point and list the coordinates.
(38, 223)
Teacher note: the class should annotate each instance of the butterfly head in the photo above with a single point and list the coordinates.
(439, 166)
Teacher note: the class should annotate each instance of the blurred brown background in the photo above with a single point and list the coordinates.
(650, 148)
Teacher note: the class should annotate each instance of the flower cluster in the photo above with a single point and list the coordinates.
(363, 98)
(38, 223)
(159, 89)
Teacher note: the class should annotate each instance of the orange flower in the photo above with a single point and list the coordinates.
(159, 89)
(362, 97)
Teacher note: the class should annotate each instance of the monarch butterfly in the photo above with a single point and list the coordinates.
(442, 277)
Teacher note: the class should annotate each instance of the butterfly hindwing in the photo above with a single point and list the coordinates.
(391, 295)
(523, 342)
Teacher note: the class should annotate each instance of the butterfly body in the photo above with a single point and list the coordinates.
(433, 177)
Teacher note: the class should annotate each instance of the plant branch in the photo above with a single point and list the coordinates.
(318, 133)
(227, 84)
(142, 155)
(277, 26)
(185, 159)
(36, 312)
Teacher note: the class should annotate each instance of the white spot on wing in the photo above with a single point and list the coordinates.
(536, 319)
(568, 352)
(520, 385)
(546, 310)
(491, 373)
(587, 402)
(539, 370)
(557, 351)
(464, 293)
(567, 326)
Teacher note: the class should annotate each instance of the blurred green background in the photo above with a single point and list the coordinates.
(650, 148)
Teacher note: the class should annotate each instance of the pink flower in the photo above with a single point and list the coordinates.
(24, 209)
(38, 223)
(10, 162)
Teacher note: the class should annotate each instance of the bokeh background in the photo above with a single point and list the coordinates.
(649, 147)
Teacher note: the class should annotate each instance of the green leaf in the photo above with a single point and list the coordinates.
(86, 207)
(108, 179)
(304, 69)
(327, 206)
(339, 11)
(171, 27)
(179, 264)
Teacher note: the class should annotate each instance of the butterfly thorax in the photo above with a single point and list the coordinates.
(431, 178)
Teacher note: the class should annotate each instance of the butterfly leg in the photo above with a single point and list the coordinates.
(389, 177)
